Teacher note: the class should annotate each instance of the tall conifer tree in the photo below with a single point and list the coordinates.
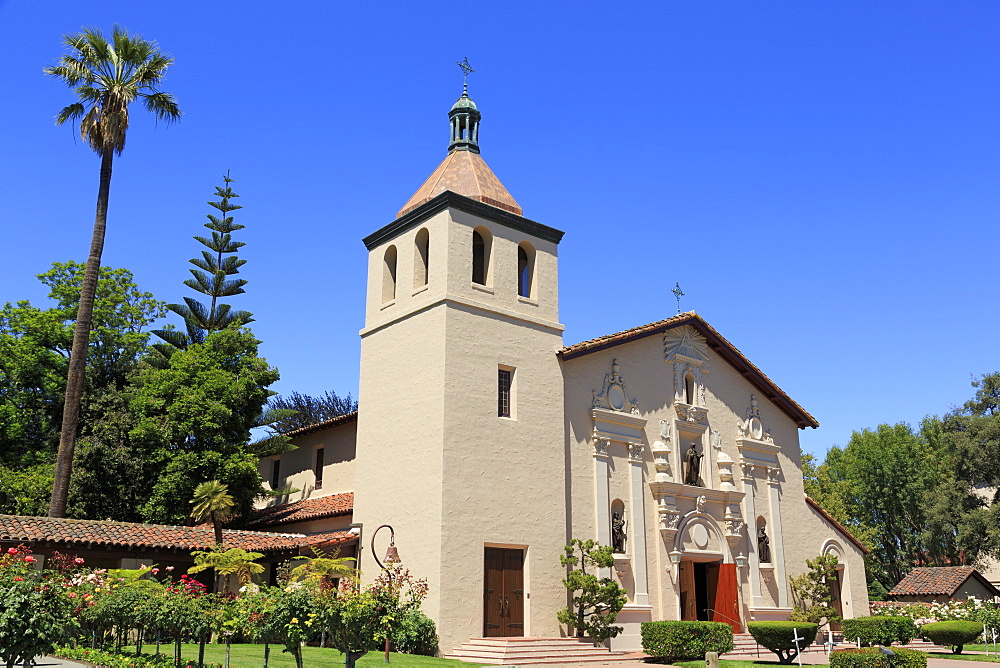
(211, 277)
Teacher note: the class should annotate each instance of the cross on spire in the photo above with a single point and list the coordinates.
(678, 293)
(466, 71)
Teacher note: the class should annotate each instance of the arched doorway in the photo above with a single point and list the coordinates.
(707, 586)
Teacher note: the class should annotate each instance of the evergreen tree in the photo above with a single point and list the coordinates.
(211, 277)
(303, 410)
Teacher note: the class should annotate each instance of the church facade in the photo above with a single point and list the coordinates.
(487, 444)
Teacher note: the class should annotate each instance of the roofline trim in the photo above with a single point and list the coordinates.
(450, 199)
(332, 422)
(836, 525)
(720, 346)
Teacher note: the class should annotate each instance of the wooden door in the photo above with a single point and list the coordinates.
(836, 603)
(689, 598)
(727, 598)
(503, 593)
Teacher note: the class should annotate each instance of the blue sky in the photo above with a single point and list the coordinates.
(820, 177)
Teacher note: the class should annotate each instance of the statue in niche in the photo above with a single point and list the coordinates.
(618, 533)
(763, 546)
(692, 466)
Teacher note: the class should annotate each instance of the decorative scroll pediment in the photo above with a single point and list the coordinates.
(752, 427)
(613, 395)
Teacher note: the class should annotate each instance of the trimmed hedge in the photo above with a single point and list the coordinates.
(686, 640)
(882, 630)
(779, 637)
(954, 634)
(871, 657)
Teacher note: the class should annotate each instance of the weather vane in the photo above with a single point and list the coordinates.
(466, 71)
(678, 293)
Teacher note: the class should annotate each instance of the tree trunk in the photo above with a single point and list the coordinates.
(267, 653)
(217, 525)
(227, 650)
(78, 354)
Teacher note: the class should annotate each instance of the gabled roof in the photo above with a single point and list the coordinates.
(115, 535)
(465, 173)
(836, 525)
(306, 509)
(326, 424)
(939, 581)
(717, 343)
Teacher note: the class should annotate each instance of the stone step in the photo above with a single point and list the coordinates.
(535, 651)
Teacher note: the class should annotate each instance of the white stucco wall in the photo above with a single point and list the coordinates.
(296, 470)
(434, 460)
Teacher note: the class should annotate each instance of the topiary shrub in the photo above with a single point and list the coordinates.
(779, 637)
(677, 641)
(872, 657)
(882, 630)
(954, 634)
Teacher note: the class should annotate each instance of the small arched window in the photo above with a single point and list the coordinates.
(421, 261)
(525, 269)
(389, 275)
(481, 241)
(689, 390)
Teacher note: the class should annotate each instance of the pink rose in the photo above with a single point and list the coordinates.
(72, 595)
(78, 561)
(155, 571)
(29, 560)
(170, 568)
(11, 550)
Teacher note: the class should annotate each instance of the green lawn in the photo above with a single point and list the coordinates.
(252, 656)
(964, 657)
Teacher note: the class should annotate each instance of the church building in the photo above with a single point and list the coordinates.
(487, 443)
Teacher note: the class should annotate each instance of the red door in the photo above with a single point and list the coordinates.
(727, 597)
(503, 593)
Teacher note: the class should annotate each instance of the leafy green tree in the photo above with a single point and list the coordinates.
(194, 417)
(811, 591)
(35, 348)
(212, 501)
(107, 77)
(211, 277)
(596, 601)
(307, 410)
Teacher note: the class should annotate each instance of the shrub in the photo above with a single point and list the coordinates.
(883, 630)
(415, 633)
(779, 637)
(953, 634)
(686, 640)
(872, 657)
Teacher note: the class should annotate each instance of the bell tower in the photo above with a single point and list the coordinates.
(461, 438)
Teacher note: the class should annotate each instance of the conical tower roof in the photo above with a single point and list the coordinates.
(464, 171)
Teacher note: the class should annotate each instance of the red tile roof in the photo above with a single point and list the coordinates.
(717, 343)
(332, 505)
(837, 525)
(938, 581)
(112, 535)
(326, 424)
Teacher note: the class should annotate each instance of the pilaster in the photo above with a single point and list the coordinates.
(639, 570)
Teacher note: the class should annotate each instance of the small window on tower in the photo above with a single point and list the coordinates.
(525, 269)
(319, 468)
(481, 242)
(420, 259)
(276, 474)
(389, 275)
(505, 395)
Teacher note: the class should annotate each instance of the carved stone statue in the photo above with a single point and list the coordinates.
(618, 536)
(692, 466)
(763, 546)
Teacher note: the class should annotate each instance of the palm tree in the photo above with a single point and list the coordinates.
(212, 502)
(107, 77)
